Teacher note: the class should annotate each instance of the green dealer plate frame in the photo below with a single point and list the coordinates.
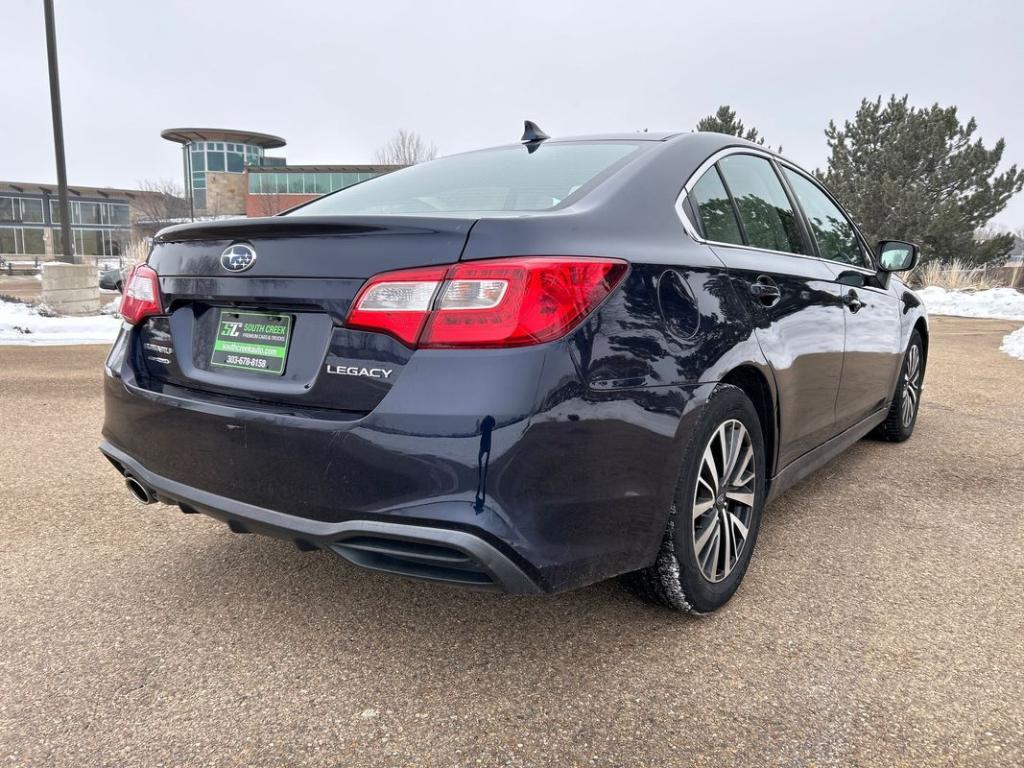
(252, 341)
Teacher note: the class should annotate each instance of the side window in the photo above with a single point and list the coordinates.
(768, 218)
(836, 238)
(715, 209)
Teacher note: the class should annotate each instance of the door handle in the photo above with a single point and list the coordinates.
(852, 300)
(765, 290)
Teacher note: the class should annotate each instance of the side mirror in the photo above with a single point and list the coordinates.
(897, 256)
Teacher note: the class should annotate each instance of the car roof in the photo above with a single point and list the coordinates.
(635, 136)
(707, 140)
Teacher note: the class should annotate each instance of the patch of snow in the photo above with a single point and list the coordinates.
(1013, 345)
(996, 303)
(1000, 303)
(23, 324)
(111, 308)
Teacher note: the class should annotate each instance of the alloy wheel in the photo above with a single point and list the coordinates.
(723, 501)
(911, 385)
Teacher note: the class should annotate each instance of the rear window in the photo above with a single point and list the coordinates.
(505, 179)
(716, 211)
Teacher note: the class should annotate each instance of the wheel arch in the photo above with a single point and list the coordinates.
(758, 387)
(921, 326)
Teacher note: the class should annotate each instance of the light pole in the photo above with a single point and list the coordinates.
(66, 254)
(188, 181)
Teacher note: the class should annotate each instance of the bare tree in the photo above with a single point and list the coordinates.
(272, 203)
(406, 148)
(159, 201)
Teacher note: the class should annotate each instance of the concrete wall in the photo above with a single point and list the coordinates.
(71, 289)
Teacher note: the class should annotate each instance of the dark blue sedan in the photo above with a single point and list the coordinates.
(526, 368)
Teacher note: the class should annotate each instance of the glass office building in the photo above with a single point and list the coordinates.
(226, 156)
(207, 151)
(227, 172)
(30, 220)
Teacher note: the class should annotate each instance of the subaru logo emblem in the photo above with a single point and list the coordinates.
(238, 257)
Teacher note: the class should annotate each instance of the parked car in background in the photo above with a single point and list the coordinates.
(113, 279)
(526, 368)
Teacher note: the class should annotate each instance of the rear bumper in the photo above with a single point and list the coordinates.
(569, 484)
(415, 551)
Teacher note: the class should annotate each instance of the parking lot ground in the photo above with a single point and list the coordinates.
(880, 623)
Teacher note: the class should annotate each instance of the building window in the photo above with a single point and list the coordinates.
(9, 240)
(215, 161)
(303, 183)
(89, 213)
(31, 211)
(33, 240)
(21, 209)
(19, 241)
(93, 242)
(220, 157)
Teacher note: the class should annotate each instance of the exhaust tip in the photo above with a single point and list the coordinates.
(138, 490)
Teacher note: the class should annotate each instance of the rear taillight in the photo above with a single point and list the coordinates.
(397, 302)
(493, 303)
(141, 295)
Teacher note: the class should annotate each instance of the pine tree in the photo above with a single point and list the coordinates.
(724, 121)
(916, 174)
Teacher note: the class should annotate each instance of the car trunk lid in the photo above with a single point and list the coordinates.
(273, 331)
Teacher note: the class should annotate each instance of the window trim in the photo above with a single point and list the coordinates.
(712, 161)
(692, 214)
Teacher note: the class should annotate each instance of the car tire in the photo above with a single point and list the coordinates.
(906, 401)
(684, 577)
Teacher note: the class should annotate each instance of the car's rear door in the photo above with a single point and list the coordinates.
(748, 219)
(872, 349)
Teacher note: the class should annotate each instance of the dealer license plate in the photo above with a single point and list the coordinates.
(252, 341)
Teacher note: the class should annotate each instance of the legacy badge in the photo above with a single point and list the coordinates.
(355, 370)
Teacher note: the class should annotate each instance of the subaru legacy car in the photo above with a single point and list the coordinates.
(526, 368)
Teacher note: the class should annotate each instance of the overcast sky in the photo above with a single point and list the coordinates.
(336, 78)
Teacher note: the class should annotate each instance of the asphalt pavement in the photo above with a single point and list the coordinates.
(880, 623)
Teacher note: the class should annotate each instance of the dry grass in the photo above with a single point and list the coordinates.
(953, 276)
(1017, 276)
(134, 252)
